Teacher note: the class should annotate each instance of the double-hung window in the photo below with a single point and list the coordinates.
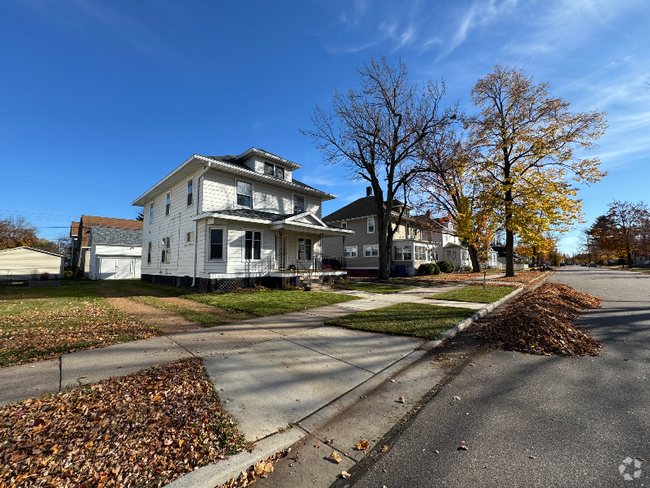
(398, 254)
(190, 192)
(351, 251)
(245, 194)
(298, 204)
(371, 226)
(371, 251)
(151, 212)
(216, 243)
(304, 249)
(166, 250)
(252, 244)
(168, 203)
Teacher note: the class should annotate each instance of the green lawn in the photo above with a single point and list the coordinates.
(374, 288)
(478, 294)
(270, 302)
(207, 318)
(413, 319)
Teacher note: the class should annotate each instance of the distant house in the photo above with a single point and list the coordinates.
(115, 253)
(414, 242)
(221, 221)
(81, 246)
(26, 263)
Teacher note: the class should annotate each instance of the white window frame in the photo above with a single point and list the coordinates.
(151, 212)
(420, 253)
(374, 225)
(208, 245)
(304, 202)
(243, 245)
(398, 255)
(409, 256)
(311, 248)
(190, 192)
(344, 224)
(166, 250)
(189, 238)
(351, 251)
(237, 193)
(369, 250)
(168, 203)
(276, 169)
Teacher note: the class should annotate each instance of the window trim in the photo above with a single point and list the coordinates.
(370, 247)
(224, 233)
(168, 203)
(190, 192)
(151, 212)
(237, 194)
(344, 224)
(188, 241)
(374, 225)
(311, 248)
(351, 256)
(243, 245)
(304, 203)
(165, 255)
(274, 171)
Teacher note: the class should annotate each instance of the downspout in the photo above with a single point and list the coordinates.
(196, 223)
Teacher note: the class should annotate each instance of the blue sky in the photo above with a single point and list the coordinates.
(99, 100)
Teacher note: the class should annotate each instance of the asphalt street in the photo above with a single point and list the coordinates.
(537, 421)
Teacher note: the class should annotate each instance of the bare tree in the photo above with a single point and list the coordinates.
(375, 131)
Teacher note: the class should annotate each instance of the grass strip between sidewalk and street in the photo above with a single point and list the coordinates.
(270, 302)
(476, 294)
(144, 429)
(413, 319)
(374, 288)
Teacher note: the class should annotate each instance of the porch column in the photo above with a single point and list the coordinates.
(281, 250)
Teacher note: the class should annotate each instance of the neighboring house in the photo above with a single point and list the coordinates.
(221, 221)
(81, 246)
(26, 263)
(414, 242)
(519, 261)
(115, 253)
(74, 243)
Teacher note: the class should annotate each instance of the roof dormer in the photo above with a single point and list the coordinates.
(268, 164)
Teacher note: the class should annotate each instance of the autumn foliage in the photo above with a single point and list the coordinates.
(145, 429)
(541, 322)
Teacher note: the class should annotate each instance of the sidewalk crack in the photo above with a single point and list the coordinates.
(329, 356)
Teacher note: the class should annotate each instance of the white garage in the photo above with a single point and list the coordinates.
(115, 254)
(26, 263)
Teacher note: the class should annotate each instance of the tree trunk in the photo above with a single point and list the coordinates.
(473, 256)
(510, 253)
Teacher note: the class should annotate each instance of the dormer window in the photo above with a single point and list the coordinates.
(274, 171)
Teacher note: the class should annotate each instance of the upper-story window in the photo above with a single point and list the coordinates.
(298, 204)
(151, 212)
(245, 194)
(371, 226)
(344, 225)
(190, 192)
(408, 230)
(168, 203)
(274, 171)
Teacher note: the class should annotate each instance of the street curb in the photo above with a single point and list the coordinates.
(480, 313)
(214, 475)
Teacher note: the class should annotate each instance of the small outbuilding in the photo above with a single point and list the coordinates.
(115, 253)
(26, 263)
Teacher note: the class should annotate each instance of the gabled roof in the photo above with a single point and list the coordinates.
(74, 229)
(230, 164)
(31, 249)
(87, 221)
(115, 236)
(362, 207)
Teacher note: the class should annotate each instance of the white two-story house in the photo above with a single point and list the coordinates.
(218, 222)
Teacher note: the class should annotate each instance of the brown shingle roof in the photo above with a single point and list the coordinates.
(363, 207)
(74, 229)
(87, 221)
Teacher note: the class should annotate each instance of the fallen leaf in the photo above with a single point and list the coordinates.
(384, 449)
(463, 448)
(401, 399)
(345, 475)
(335, 457)
(362, 445)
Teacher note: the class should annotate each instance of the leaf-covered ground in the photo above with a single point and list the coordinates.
(145, 429)
(541, 322)
(521, 277)
(54, 326)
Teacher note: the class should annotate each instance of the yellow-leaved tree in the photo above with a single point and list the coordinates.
(526, 139)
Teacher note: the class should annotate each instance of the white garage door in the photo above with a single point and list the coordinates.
(119, 268)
